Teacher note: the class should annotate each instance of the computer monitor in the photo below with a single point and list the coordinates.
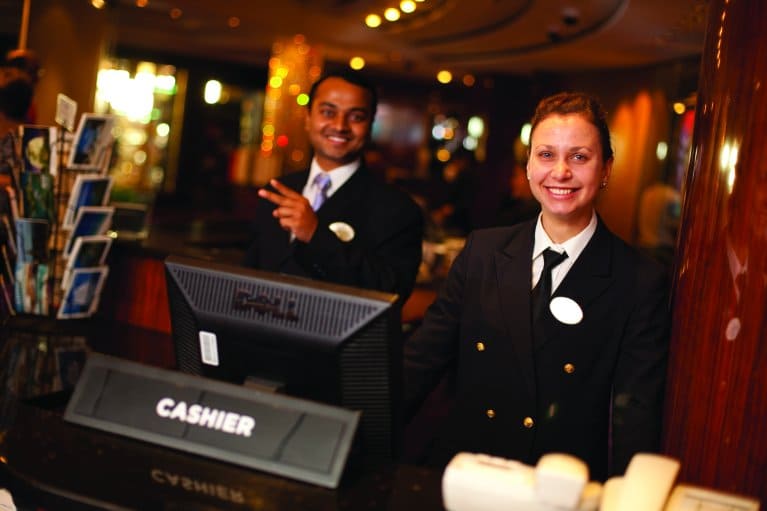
(314, 340)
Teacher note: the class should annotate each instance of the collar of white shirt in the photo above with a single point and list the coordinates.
(338, 176)
(574, 246)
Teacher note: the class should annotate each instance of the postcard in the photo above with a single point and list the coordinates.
(87, 252)
(87, 190)
(81, 298)
(37, 195)
(92, 140)
(90, 221)
(66, 111)
(31, 240)
(38, 148)
(31, 288)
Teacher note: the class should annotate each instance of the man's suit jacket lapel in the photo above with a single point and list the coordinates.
(514, 274)
(338, 204)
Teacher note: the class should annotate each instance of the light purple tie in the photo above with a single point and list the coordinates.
(322, 183)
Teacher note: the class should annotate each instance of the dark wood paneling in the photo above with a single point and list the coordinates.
(716, 409)
(135, 292)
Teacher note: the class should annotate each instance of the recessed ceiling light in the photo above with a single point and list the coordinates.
(407, 6)
(373, 20)
(392, 14)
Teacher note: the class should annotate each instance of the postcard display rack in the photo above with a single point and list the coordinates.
(57, 239)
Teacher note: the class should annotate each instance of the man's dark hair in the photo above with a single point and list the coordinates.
(581, 103)
(16, 90)
(353, 77)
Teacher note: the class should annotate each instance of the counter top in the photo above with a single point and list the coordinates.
(48, 463)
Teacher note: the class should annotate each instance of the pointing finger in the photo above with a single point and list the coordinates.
(284, 190)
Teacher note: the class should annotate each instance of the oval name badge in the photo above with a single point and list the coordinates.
(342, 230)
(566, 310)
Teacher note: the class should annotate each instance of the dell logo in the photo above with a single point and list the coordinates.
(263, 304)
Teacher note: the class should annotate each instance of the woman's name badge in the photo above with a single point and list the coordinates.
(566, 310)
(342, 230)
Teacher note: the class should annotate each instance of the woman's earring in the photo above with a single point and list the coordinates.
(603, 184)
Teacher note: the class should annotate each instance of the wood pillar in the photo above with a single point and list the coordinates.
(716, 408)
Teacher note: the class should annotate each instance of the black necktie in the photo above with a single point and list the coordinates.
(541, 293)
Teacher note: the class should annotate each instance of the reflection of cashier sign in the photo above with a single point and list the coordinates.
(206, 417)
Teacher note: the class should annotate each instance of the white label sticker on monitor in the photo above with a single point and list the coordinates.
(208, 348)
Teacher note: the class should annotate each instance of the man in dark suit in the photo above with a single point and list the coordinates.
(336, 221)
(586, 375)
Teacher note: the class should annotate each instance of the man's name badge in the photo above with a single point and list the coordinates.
(566, 310)
(342, 230)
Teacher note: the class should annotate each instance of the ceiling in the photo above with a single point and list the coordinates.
(463, 36)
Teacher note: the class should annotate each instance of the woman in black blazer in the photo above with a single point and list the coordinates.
(587, 376)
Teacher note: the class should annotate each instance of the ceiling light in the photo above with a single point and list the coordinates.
(373, 20)
(357, 63)
(407, 6)
(212, 93)
(98, 4)
(444, 76)
(391, 14)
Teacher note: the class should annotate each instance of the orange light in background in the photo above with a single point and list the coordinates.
(468, 80)
(175, 13)
(98, 4)
(294, 89)
(282, 140)
(443, 155)
(679, 108)
(142, 3)
(233, 22)
(444, 76)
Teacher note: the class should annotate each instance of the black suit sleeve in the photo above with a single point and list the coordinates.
(433, 348)
(640, 373)
(385, 258)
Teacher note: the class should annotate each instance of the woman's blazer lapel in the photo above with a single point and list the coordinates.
(513, 265)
